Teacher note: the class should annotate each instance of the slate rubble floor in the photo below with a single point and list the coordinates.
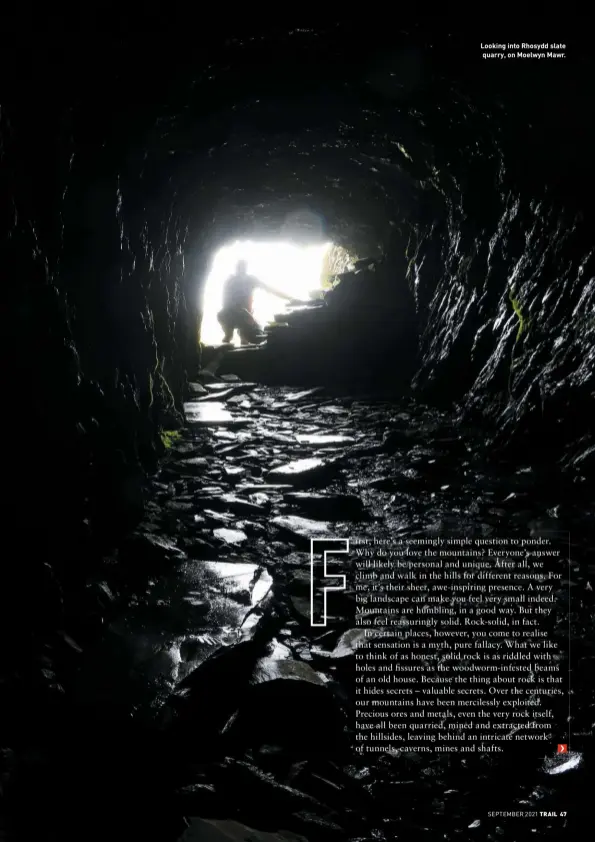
(255, 474)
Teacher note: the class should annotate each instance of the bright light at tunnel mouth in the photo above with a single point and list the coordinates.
(295, 270)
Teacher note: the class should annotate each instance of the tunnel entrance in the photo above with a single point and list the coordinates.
(295, 270)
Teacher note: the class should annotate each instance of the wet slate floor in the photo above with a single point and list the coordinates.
(243, 709)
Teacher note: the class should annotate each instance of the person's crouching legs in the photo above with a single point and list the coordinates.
(227, 323)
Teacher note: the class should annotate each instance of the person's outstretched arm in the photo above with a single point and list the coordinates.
(272, 291)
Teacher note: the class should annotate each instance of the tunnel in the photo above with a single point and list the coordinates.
(439, 377)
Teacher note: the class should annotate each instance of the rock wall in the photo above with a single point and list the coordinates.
(97, 334)
(504, 277)
(511, 323)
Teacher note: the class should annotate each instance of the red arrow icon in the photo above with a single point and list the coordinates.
(562, 748)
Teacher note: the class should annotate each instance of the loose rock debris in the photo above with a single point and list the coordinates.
(220, 642)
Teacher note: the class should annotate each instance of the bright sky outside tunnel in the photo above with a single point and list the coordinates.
(293, 269)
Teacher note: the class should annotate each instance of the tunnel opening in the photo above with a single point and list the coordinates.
(354, 324)
(294, 269)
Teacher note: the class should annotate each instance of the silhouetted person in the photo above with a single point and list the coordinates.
(238, 302)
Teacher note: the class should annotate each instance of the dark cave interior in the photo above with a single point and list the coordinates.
(126, 161)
